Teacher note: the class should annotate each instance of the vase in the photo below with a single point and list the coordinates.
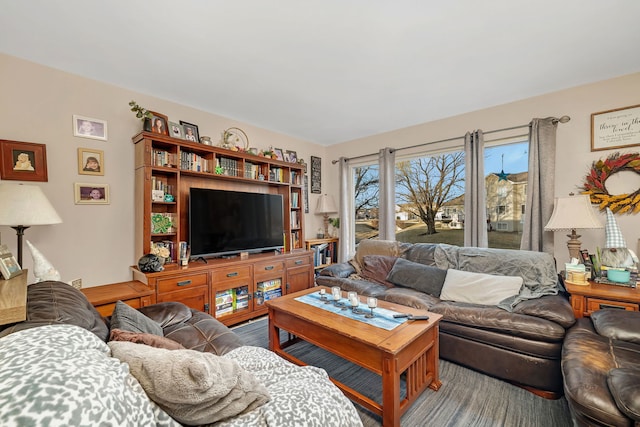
(146, 124)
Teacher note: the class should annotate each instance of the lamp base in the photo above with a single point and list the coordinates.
(20, 232)
(326, 225)
(574, 244)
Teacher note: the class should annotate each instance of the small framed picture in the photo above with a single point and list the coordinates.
(290, 156)
(90, 161)
(91, 194)
(86, 127)
(9, 267)
(278, 153)
(176, 130)
(23, 161)
(159, 123)
(190, 131)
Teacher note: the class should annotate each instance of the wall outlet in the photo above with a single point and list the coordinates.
(76, 283)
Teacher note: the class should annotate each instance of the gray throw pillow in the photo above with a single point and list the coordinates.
(129, 319)
(423, 278)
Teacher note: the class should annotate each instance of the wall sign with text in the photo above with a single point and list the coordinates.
(617, 128)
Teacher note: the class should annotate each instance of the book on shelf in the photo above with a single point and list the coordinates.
(229, 166)
(163, 158)
(193, 162)
(295, 199)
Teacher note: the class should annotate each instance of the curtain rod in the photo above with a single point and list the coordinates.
(555, 120)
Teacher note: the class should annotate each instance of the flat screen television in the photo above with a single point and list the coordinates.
(225, 222)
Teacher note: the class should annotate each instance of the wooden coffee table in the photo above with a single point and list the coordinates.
(411, 347)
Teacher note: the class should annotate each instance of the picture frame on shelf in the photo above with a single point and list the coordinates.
(617, 128)
(88, 127)
(159, 123)
(90, 161)
(190, 131)
(91, 194)
(9, 267)
(291, 156)
(278, 153)
(23, 161)
(176, 130)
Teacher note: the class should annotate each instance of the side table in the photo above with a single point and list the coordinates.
(586, 299)
(134, 293)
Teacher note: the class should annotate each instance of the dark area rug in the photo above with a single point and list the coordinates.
(466, 398)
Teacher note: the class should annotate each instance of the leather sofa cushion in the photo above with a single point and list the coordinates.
(377, 267)
(624, 384)
(617, 324)
(58, 302)
(423, 278)
(374, 247)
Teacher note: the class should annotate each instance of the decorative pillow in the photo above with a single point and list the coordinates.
(423, 278)
(193, 387)
(624, 384)
(128, 318)
(374, 247)
(148, 339)
(479, 288)
(617, 324)
(376, 268)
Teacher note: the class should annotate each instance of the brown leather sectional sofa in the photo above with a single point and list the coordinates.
(522, 346)
(601, 369)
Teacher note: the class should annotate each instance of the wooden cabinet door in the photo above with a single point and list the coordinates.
(196, 298)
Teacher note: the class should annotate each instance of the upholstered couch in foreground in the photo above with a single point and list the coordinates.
(503, 313)
(601, 368)
(68, 366)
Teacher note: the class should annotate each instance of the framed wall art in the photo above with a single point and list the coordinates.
(190, 131)
(91, 194)
(23, 161)
(159, 123)
(86, 127)
(90, 161)
(316, 175)
(617, 128)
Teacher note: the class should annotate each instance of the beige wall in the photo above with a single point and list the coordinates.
(574, 156)
(95, 243)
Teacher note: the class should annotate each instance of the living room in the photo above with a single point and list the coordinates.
(96, 242)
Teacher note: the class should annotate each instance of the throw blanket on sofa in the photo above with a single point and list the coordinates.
(63, 375)
(537, 269)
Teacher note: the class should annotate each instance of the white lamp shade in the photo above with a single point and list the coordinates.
(26, 205)
(326, 205)
(572, 213)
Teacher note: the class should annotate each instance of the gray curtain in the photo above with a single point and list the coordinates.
(475, 214)
(540, 185)
(387, 204)
(345, 245)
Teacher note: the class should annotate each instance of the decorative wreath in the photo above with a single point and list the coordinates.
(595, 183)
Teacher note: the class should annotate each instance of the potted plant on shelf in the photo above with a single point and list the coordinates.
(335, 223)
(143, 114)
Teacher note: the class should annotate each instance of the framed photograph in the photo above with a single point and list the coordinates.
(23, 161)
(86, 127)
(91, 194)
(291, 156)
(190, 131)
(316, 175)
(176, 130)
(159, 123)
(9, 267)
(278, 153)
(618, 128)
(90, 161)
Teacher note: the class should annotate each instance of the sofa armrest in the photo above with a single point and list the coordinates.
(623, 384)
(555, 308)
(343, 270)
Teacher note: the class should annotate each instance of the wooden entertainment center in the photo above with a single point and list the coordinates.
(233, 289)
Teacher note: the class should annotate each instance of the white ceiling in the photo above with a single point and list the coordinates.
(329, 71)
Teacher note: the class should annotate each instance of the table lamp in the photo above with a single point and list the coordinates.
(22, 206)
(325, 206)
(571, 213)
